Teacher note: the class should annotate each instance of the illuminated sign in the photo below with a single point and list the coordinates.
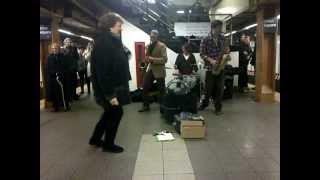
(270, 25)
(45, 33)
(198, 29)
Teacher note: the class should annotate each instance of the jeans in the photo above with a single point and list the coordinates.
(214, 89)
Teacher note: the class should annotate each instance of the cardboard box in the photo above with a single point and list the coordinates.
(192, 123)
(192, 129)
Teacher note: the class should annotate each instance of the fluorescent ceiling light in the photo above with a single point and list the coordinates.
(190, 11)
(278, 17)
(227, 10)
(250, 26)
(145, 19)
(164, 5)
(229, 33)
(151, 17)
(88, 38)
(152, 1)
(154, 13)
(66, 32)
(180, 12)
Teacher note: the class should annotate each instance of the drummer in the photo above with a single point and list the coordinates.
(186, 62)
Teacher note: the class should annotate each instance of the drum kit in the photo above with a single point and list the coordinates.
(183, 84)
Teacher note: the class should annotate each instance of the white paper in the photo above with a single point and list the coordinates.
(165, 137)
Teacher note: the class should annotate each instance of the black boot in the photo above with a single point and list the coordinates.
(96, 143)
(68, 108)
(218, 113)
(218, 108)
(113, 148)
(202, 107)
(55, 110)
(145, 108)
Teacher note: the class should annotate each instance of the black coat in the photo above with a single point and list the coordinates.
(110, 70)
(71, 58)
(186, 66)
(56, 66)
(243, 60)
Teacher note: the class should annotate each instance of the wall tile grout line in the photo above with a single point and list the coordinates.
(162, 161)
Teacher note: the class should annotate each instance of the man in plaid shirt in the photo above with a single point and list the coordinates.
(210, 49)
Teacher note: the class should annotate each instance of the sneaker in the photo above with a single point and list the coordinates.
(113, 149)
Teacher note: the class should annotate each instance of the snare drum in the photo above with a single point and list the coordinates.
(178, 86)
(190, 80)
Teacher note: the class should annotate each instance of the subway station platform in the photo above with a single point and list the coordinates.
(241, 144)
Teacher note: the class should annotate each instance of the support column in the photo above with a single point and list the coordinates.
(266, 58)
(55, 20)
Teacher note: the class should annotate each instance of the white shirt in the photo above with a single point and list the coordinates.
(186, 56)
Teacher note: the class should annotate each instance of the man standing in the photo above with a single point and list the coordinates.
(57, 93)
(110, 77)
(82, 68)
(156, 58)
(72, 57)
(87, 56)
(245, 53)
(211, 51)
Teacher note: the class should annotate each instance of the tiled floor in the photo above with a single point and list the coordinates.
(241, 144)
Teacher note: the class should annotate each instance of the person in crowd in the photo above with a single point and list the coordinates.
(72, 57)
(110, 80)
(57, 93)
(186, 62)
(82, 69)
(212, 49)
(87, 57)
(156, 58)
(245, 53)
(253, 57)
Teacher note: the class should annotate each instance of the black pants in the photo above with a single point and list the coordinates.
(84, 79)
(108, 125)
(214, 89)
(56, 94)
(243, 75)
(74, 84)
(147, 86)
(57, 90)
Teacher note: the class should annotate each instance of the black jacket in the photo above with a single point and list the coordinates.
(110, 70)
(243, 58)
(71, 58)
(186, 66)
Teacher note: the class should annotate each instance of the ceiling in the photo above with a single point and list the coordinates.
(84, 13)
